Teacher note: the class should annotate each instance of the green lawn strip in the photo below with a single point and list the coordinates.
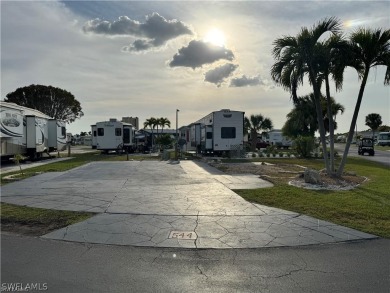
(365, 208)
(38, 221)
(382, 148)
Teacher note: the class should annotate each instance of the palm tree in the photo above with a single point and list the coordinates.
(164, 122)
(151, 122)
(335, 108)
(370, 48)
(331, 59)
(296, 57)
(254, 124)
(302, 120)
(373, 121)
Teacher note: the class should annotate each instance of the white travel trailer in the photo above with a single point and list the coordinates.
(29, 132)
(114, 135)
(219, 131)
(94, 136)
(275, 137)
(57, 135)
(383, 139)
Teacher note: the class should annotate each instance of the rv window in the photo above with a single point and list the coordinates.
(63, 131)
(228, 132)
(209, 135)
(94, 133)
(118, 131)
(100, 131)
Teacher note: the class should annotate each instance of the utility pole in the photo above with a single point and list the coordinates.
(177, 134)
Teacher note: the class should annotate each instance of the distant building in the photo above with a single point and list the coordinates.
(132, 120)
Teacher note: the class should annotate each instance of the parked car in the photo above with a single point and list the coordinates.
(366, 145)
(261, 144)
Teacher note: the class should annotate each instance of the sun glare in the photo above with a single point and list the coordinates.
(215, 37)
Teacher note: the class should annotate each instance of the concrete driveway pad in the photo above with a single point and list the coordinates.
(150, 203)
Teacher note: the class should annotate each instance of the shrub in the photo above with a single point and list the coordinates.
(281, 155)
(304, 146)
(270, 149)
(165, 140)
(253, 155)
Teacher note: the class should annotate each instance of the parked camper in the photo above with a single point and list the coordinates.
(218, 132)
(275, 137)
(94, 136)
(384, 139)
(195, 136)
(57, 135)
(28, 132)
(115, 136)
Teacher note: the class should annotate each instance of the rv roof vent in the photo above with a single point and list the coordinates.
(225, 110)
(112, 119)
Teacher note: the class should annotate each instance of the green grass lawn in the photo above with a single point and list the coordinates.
(382, 148)
(37, 221)
(365, 208)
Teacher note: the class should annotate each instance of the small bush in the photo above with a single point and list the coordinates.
(304, 146)
(281, 155)
(270, 149)
(253, 155)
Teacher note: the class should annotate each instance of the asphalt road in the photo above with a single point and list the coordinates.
(382, 157)
(75, 267)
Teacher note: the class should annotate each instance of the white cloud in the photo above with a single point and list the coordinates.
(219, 74)
(245, 81)
(199, 53)
(154, 32)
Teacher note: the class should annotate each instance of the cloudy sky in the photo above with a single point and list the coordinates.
(144, 59)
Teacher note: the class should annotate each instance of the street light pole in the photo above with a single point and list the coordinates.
(177, 135)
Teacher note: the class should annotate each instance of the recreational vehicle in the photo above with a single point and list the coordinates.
(384, 139)
(219, 131)
(275, 137)
(94, 136)
(114, 135)
(29, 132)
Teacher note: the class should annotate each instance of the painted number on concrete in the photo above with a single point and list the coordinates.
(183, 235)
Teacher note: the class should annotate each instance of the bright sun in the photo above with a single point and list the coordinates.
(215, 37)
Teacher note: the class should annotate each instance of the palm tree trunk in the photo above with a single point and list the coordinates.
(331, 126)
(254, 140)
(320, 120)
(353, 122)
(151, 141)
